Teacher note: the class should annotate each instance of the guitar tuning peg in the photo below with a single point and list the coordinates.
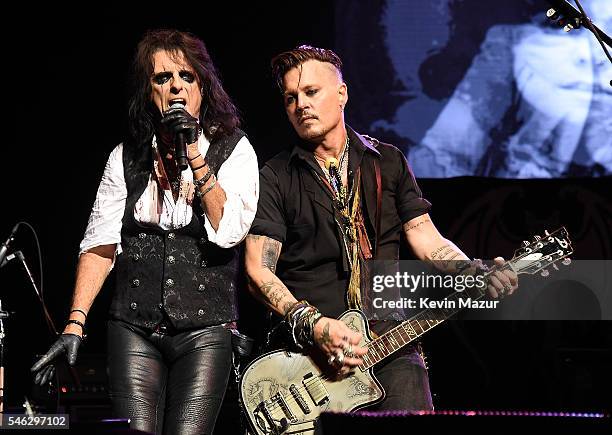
(566, 261)
(545, 273)
(568, 27)
(546, 233)
(536, 238)
(525, 243)
(555, 266)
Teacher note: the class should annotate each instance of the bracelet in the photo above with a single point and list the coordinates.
(300, 304)
(202, 181)
(301, 319)
(80, 311)
(308, 324)
(208, 189)
(76, 322)
(189, 160)
(200, 167)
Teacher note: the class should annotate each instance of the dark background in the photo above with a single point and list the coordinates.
(65, 74)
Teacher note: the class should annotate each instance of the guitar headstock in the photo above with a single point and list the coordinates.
(543, 251)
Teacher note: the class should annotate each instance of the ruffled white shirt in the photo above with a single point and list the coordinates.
(238, 176)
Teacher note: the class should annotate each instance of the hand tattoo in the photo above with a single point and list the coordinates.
(435, 253)
(325, 337)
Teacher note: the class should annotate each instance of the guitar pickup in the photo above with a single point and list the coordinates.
(299, 399)
(316, 389)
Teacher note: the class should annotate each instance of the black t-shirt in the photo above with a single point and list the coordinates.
(296, 209)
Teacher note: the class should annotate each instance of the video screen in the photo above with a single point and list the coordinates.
(480, 88)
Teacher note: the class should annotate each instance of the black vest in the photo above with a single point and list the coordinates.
(174, 273)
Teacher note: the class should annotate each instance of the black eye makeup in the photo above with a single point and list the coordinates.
(162, 77)
(187, 76)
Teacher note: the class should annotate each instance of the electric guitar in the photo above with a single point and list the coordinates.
(284, 392)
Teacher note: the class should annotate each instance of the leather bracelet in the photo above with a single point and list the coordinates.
(200, 167)
(199, 155)
(79, 311)
(76, 322)
(202, 181)
(208, 189)
(299, 304)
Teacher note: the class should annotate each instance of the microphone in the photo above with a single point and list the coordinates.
(180, 147)
(5, 245)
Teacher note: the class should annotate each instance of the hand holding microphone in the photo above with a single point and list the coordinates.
(185, 129)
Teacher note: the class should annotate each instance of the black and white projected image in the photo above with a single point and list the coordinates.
(467, 87)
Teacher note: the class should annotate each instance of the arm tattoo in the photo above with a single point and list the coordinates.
(287, 307)
(270, 253)
(273, 292)
(413, 226)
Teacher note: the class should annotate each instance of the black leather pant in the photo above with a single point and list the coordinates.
(168, 383)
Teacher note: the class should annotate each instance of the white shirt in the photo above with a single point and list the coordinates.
(238, 176)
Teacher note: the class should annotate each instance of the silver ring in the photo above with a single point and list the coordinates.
(340, 358)
(348, 351)
(332, 360)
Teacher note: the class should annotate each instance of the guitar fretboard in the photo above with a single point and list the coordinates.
(531, 258)
(410, 330)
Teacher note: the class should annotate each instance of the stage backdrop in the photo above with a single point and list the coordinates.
(468, 87)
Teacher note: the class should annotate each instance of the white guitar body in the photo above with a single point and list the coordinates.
(285, 392)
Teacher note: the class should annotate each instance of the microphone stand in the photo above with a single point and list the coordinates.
(599, 34)
(4, 314)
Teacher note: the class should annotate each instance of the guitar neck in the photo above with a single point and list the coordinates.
(532, 258)
(413, 328)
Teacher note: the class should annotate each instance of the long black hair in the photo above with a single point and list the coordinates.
(220, 118)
